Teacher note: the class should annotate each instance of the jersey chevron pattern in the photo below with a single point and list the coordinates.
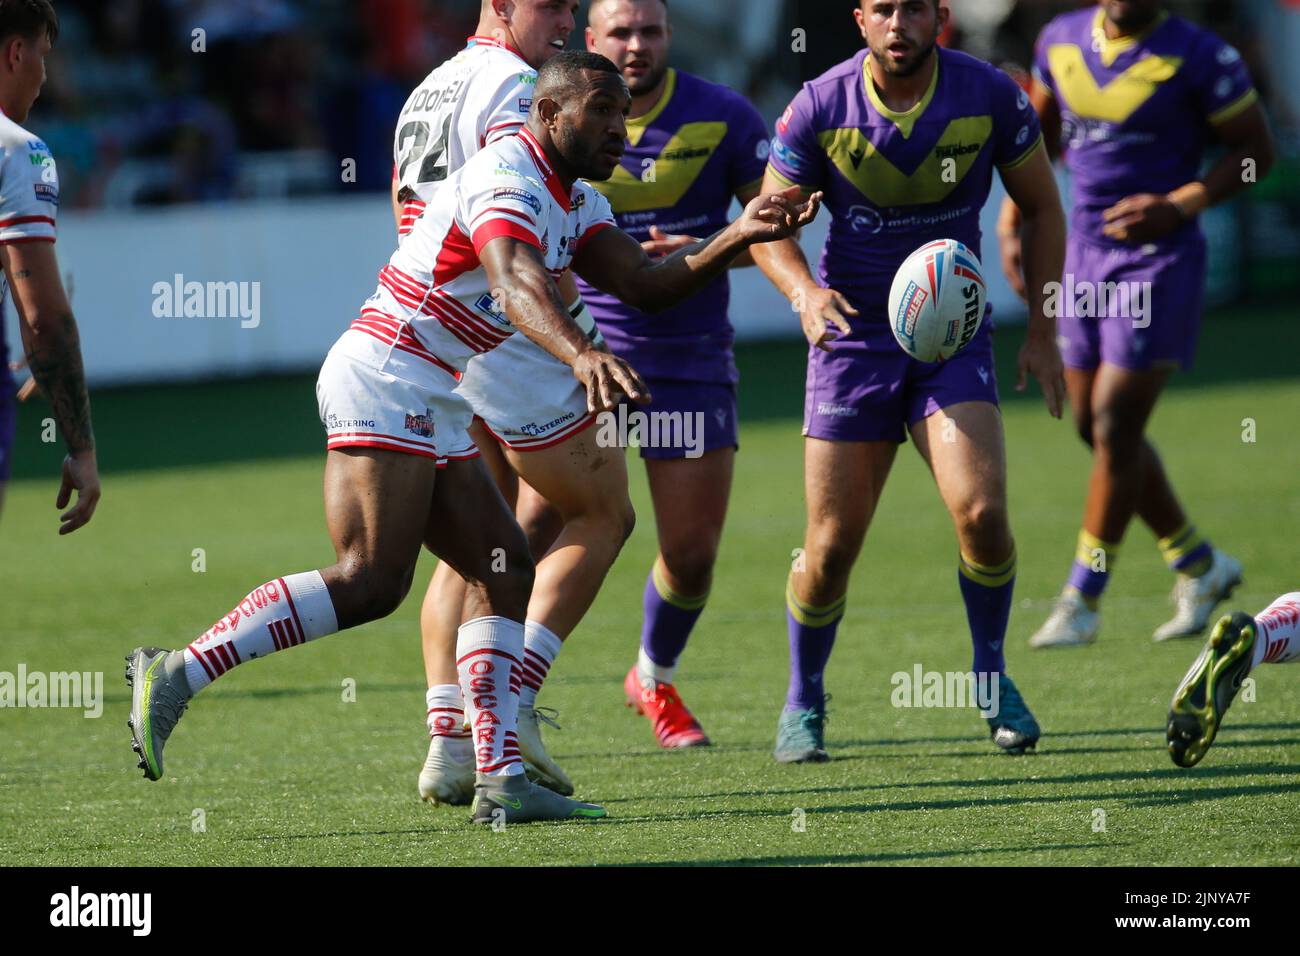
(685, 160)
(894, 181)
(433, 298)
(1136, 112)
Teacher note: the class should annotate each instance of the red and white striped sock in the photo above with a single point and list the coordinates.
(488, 655)
(541, 646)
(446, 716)
(1277, 631)
(282, 613)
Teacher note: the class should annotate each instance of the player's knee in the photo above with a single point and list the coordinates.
(691, 564)
(1083, 427)
(1115, 434)
(831, 559)
(983, 523)
(375, 591)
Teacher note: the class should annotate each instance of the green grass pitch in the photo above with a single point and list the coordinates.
(285, 772)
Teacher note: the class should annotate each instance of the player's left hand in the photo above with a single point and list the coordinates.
(777, 216)
(1144, 217)
(1041, 357)
(662, 243)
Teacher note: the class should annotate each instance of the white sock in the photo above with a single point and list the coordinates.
(488, 655)
(280, 614)
(541, 646)
(651, 673)
(1277, 631)
(446, 715)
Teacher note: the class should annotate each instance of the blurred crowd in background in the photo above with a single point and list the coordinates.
(272, 96)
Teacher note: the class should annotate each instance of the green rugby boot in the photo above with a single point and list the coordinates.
(159, 695)
(516, 799)
(1208, 690)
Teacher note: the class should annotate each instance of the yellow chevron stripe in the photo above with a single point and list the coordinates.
(671, 596)
(810, 616)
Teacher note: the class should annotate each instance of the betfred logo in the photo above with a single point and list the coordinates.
(909, 309)
(783, 123)
(420, 425)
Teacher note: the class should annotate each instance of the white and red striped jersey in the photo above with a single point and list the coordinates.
(479, 96)
(433, 298)
(29, 191)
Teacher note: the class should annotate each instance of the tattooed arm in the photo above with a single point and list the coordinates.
(53, 350)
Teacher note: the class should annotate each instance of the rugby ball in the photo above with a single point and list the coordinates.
(936, 303)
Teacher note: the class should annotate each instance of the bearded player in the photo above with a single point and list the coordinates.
(706, 144)
(510, 220)
(904, 138)
(1134, 97)
(531, 416)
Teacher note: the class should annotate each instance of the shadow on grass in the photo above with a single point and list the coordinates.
(847, 858)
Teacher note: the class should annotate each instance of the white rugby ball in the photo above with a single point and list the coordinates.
(936, 303)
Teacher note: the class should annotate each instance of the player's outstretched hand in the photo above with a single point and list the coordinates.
(1144, 217)
(607, 378)
(1041, 358)
(80, 474)
(775, 216)
(662, 243)
(819, 309)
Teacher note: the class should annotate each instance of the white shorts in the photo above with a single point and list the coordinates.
(374, 394)
(527, 398)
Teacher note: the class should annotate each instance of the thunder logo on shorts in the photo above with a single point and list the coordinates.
(685, 160)
(1136, 112)
(896, 181)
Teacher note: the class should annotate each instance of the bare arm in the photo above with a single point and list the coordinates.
(615, 262)
(662, 243)
(397, 203)
(532, 301)
(784, 264)
(53, 349)
(1032, 187)
(1049, 117)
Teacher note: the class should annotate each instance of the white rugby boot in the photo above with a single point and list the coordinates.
(1071, 624)
(1196, 598)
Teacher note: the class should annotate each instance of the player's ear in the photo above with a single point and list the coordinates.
(548, 110)
(591, 41)
(944, 14)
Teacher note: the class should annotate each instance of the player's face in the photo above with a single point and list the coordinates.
(900, 33)
(592, 127)
(541, 28)
(634, 34)
(31, 71)
(1130, 14)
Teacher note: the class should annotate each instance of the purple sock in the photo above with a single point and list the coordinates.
(1093, 560)
(812, 635)
(986, 590)
(668, 621)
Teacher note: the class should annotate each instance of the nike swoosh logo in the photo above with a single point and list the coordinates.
(512, 804)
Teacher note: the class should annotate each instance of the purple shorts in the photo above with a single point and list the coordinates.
(1137, 308)
(8, 423)
(712, 407)
(868, 389)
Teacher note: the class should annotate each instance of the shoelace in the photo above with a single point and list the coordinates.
(548, 716)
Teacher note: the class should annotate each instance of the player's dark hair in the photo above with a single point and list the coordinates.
(29, 19)
(561, 75)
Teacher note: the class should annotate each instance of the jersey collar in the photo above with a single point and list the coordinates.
(1110, 50)
(640, 123)
(904, 121)
(491, 41)
(544, 167)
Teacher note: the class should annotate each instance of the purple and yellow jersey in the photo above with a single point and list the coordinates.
(894, 181)
(1136, 112)
(685, 160)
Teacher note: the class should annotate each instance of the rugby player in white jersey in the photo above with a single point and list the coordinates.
(29, 202)
(531, 415)
(511, 220)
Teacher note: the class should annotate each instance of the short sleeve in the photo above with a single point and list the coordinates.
(1221, 84)
(29, 193)
(796, 158)
(502, 203)
(594, 216)
(508, 109)
(1041, 69)
(749, 145)
(1016, 130)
